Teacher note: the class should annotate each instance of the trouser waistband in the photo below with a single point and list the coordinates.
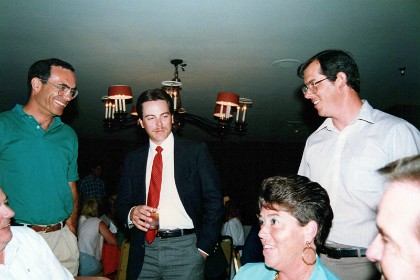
(338, 253)
(174, 232)
(44, 228)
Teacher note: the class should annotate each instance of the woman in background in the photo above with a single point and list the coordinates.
(91, 234)
(233, 226)
(109, 214)
(295, 219)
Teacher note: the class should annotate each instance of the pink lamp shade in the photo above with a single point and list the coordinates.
(227, 98)
(119, 92)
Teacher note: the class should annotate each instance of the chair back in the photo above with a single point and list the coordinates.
(122, 269)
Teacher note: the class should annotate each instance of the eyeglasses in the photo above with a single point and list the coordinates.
(312, 86)
(4, 203)
(63, 89)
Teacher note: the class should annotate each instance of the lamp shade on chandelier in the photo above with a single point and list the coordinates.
(229, 106)
(115, 106)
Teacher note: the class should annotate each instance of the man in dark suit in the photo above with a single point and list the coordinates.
(190, 206)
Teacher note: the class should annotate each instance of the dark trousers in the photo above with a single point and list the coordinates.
(175, 258)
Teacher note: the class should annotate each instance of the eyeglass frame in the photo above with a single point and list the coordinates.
(312, 86)
(5, 203)
(65, 89)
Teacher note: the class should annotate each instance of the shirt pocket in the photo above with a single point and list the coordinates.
(364, 181)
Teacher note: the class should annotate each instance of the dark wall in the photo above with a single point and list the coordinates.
(243, 166)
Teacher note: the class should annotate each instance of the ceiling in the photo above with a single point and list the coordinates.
(227, 45)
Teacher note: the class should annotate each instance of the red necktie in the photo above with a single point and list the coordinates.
(154, 188)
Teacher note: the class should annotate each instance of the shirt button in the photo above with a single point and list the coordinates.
(37, 127)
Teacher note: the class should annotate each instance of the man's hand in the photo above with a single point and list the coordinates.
(203, 254)
(140, 216)
(71, 226)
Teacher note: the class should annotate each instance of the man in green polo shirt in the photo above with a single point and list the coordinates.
(38, 159)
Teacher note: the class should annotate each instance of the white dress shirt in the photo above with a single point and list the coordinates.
(28, 256)
(172, 213)
(345, 163)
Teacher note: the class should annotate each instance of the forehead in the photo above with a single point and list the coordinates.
(312, 71)
(399, 207)
(276, 211)
(155, 107)
(63, 75)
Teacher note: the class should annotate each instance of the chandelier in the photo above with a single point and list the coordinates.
(229, 108)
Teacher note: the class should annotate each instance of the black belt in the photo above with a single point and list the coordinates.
(338, 253)
(174, 232)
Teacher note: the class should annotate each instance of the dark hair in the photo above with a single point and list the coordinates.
(153, 95)
(304, 199)
(232, 211)
(404, 169)
(42, 69)
(333, 62)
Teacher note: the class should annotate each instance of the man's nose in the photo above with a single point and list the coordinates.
(308, 94)
(6, 212)
(374, 251)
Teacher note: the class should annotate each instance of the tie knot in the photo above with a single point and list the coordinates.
(159, 149)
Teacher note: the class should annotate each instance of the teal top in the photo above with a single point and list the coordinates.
(36, 167)
(259, 271)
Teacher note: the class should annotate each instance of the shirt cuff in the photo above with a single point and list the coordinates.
(129, 222)
(203, 252)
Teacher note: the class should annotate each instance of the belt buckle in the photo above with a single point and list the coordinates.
(168, 233)
(55, 227)
(164, 234)
(50, 228)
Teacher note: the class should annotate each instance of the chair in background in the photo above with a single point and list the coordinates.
(122, 269)
(236, 257)
(226, 243)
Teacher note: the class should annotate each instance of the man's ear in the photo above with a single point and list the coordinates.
(341, 80)
(36, 84)
(140, 122)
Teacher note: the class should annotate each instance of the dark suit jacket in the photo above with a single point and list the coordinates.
(198, 186)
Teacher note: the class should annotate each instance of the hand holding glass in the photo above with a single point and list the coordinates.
(154, 224)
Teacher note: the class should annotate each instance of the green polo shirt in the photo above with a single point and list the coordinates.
(36, 167)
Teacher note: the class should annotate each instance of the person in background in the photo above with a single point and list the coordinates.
(92, 232)
(24, 254)
(233, 226)
(185, 189)
(252, 250)
(38, 159)
(397, 245)
(109, 214)
(226, 199)
(343, 154)
(295, 219)
(93, 185)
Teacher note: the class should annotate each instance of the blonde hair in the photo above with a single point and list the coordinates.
(90, 208)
